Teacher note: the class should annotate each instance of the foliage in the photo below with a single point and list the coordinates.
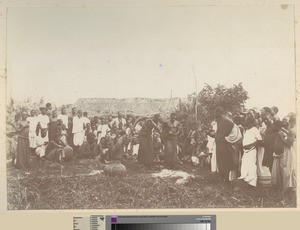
(231, 99)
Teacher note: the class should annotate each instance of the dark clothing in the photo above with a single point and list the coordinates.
(268, 144)
(146, 154)
(53, 130)
(23, 153)
(279, 143)
(223, 148)
(171, 157)
(170, 143)
(116, 149)
(23, 150)
(70, 128)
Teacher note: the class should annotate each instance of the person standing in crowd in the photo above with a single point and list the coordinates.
(49, 109)
(211, 145)
(33, 122)
(42, 142)
(129, 130)
(13, 141)
(53, 126)
(171, 130)
(94, 124)
(274, 111)
(119, 122)
(86, 120)
(280, 170)
(283, 164)
(223, 148)
(146, 154)
(23, 151)
(43, 121)
(129, 125)
(235, 139)
(70, 126)
(291, 145)
(78, 130)
(251, 140)
(251, 113)
(63, 116)
(263, 172)
(268, 140)
(102, 129)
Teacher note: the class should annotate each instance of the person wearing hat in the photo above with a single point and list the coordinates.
(43, 120)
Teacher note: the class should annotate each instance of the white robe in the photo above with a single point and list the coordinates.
(249, 168)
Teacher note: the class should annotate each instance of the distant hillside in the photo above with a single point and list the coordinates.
(137, 106)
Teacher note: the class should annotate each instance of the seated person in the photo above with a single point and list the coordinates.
(41, 141)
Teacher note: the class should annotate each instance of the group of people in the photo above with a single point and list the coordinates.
(54, 136)
(256, 147)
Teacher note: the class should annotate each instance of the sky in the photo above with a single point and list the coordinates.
(63, 54)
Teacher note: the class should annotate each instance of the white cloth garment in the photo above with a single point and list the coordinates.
(102, 131)
(77, 124)
(43, 120)
(211, 144)
(86, 120)
(33, 121)
(249, 168)
(41, 145)
(64, 118)
(78, 131)
(78, 138)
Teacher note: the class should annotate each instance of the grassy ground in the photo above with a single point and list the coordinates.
(80, 185)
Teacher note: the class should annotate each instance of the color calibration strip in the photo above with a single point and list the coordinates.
(161, 226)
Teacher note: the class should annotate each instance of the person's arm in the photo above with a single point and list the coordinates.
(24, 127)
(291, 137)
(21, 127)
(255, 144)
(55, 144)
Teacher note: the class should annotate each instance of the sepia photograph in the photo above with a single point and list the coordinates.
(151, 107)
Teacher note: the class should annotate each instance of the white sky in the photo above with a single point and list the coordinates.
(70, 53)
